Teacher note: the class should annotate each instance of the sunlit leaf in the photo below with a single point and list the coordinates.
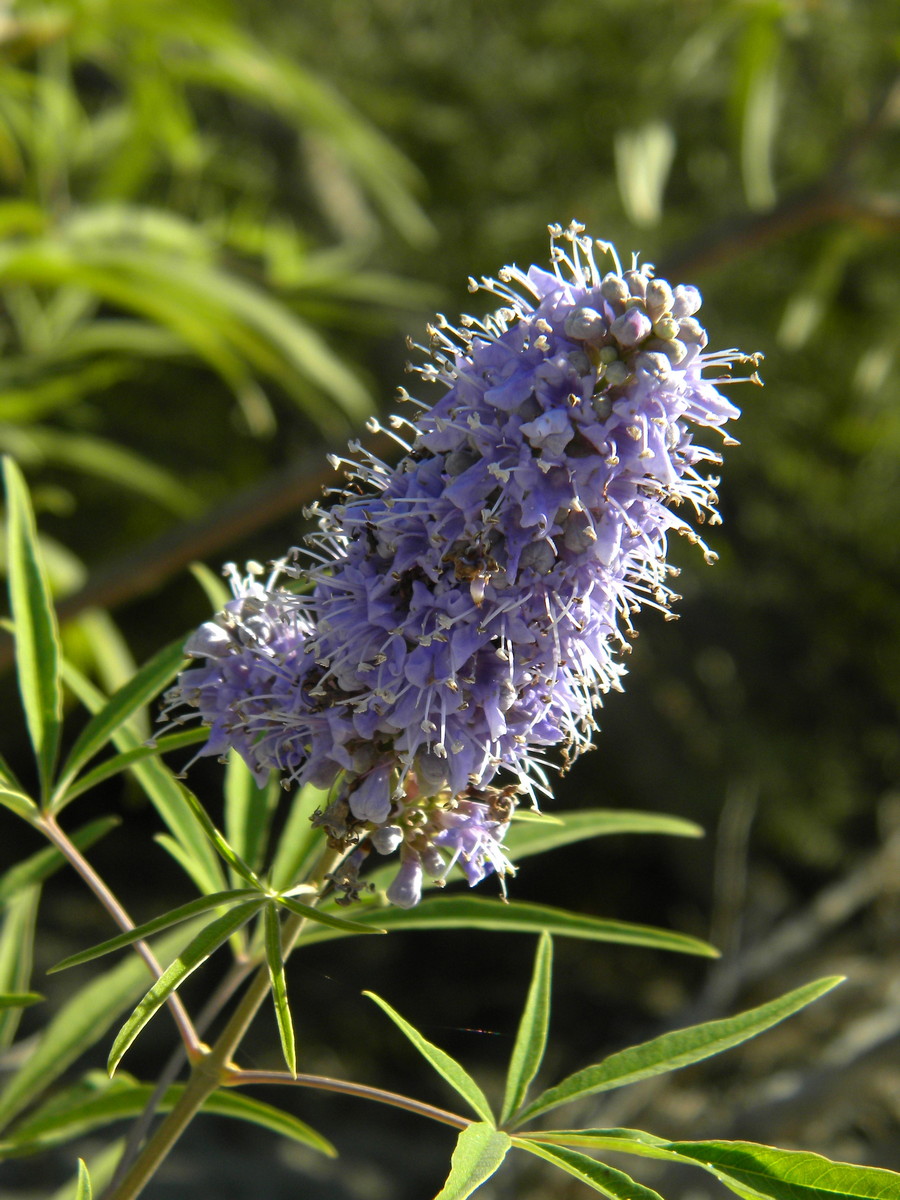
(480, 1150)
(193, 956)
(278, 984)
(643, 160)
(248, 810)
(300, 841)
(166, 793)
(477, 912)
(121, 762)
(531, 1038)
(222, 847)
(144, 687)
(525, 839)
(37, 636)
(458, 1078)
(19, 803)
(185, 912)
(327, 917)
(98, 1102)
(83, 1191)
(598, 1176)
(789, 1174)
(673, 1050)
(102, 1166)
(757, 97)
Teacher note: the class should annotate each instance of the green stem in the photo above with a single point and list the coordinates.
(323, 1083)
(213, 1068)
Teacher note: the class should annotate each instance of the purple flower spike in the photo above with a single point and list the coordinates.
(465, 610)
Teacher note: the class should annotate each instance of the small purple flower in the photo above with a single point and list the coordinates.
(466, 610)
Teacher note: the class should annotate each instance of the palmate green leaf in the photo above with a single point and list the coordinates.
(83, 1190)
(80, 1023)
(36, 632)
(121, 762)
(458, 1078)
(95, 1103)
(678, 1049)
(133, 695)
(164, 791)
(327, 918)
(479, 1151)
(535, 837)
(43, 863)
(789, 1174)
(194, 908)
(598, 1176)
(193, 956)
(275, 962)
(477, 912)
(531, 1039)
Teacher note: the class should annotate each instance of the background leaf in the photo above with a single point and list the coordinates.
(98, 1101)
(133, 695)
(79, 1024)
(37, 637)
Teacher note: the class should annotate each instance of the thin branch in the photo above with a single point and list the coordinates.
(141, 1126)
(48, 826)
(241, 1078)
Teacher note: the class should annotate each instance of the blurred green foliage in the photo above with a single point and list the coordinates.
(214, 219)
(206, 209)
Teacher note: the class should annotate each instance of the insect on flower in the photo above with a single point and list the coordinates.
(465, 611)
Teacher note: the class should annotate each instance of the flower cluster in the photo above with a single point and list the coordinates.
(466, 609)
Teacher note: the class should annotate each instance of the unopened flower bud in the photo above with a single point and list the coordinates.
(583, 324)
(632, 327)
(686, 300)
(659, 298)
(614, 289)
